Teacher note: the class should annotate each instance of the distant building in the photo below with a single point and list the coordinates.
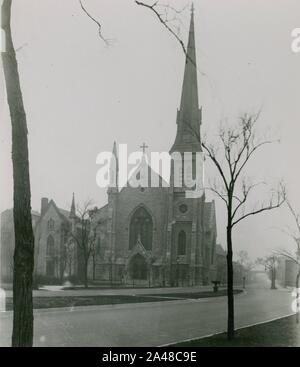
(7, 243)
(221, 265)
(239, 271)
(52, 228)
(286, 272)
(52, 236)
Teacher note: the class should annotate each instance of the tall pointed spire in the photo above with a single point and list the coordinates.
(115, 153)
(189, 115)
(73, 210)
(189, 96)
(114, 170)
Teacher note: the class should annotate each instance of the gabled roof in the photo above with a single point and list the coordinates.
(151, 174)
(63, 214)
(140, 249)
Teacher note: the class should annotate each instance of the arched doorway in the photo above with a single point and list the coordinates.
(181, 247)
(138, 268)
(141, 225)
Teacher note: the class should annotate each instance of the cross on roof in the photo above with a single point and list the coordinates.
(144, 147)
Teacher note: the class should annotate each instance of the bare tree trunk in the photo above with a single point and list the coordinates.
(22, 335)
(230, 298)
(86, 281)
(273, 278)
(94, 267)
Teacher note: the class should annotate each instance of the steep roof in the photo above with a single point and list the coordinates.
(64, 214)
(147, 181)
(189, 115)
(72, 213)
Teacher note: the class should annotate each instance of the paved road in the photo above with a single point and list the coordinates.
(149, 324)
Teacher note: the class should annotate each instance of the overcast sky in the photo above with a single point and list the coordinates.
(80, 95)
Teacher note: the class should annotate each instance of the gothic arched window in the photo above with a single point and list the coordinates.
(141, 226)
(181, 249)
(51, 224)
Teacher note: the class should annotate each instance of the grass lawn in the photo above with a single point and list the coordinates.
(196, 295)
(279, 333)
(70, 301)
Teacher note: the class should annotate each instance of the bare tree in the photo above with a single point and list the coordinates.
(67, 258)
(294, 256)
(246, 264)
(84, 235)
(22, 335)
(270, 264)
(237, 145)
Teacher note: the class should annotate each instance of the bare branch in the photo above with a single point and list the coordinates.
(246, 189)
(289, 233)
(280, 200)
(105, 40)
(246, 123)
(153, 8)
(174, 9)
(221, 196)
(295, 216)
(212, 156)
(249, 154)
(288, 255)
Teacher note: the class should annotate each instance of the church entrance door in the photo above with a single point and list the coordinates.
(138, 268)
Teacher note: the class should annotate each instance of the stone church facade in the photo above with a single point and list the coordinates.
(158, 235)
(147, 236)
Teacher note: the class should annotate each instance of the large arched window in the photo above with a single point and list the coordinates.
(141, 226)
(181, 249)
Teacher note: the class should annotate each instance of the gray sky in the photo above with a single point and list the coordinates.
(80, 96)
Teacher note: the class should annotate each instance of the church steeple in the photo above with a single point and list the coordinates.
(189, 114)
(73, 210)
(114, 170)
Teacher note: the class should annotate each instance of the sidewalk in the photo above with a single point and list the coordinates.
(56, 291)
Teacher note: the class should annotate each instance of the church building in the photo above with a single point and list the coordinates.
(159, 235)
(144, 235)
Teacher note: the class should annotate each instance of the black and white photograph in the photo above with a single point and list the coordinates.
(149, 186)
